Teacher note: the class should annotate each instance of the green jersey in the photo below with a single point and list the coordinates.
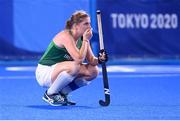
(55, 54)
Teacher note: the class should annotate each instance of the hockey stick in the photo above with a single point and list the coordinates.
(104, 70)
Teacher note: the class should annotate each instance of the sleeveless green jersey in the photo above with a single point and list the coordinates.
(55, 54)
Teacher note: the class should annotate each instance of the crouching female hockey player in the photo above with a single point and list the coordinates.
(61, 68)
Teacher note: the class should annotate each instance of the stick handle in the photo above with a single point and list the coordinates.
(100, 29)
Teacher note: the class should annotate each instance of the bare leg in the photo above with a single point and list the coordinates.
(62, 75)
(70, 67)
(86, 74)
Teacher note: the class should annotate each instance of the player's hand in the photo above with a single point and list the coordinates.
(102, 56)
(88, 34)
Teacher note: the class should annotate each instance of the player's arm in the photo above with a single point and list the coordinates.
(102, 56)
(76, 54)
(90, 57)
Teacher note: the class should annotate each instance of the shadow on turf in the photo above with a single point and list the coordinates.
(49, 107)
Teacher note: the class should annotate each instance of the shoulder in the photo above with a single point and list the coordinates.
(61, 38)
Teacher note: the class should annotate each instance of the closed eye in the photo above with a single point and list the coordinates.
(87, 23)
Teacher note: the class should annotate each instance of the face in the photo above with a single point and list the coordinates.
(84, 25)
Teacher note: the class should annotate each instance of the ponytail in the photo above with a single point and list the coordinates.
(68, 24)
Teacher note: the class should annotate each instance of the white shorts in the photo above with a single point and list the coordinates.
(43, 75)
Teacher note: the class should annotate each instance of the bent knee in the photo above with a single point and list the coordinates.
(93, 72)
(75, 68)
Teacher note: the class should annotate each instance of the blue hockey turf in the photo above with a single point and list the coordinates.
(137, 92)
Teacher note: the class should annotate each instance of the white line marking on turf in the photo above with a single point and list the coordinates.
(21, 68)
(118, 68)
(141, 75)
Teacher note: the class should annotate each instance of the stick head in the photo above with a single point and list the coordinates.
(104, 103)
(98, 12)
